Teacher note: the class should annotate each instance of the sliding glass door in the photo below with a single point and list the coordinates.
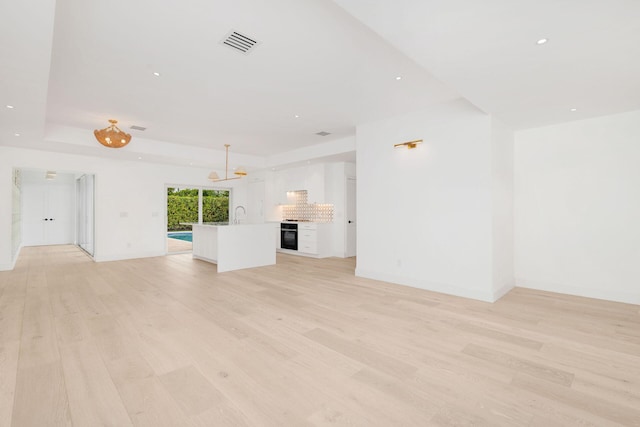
(85, 213)
(192, 205)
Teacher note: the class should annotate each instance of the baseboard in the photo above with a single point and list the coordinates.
(122, 257)
(503, 290)
(442, 288)
(10, 266)
(616, 296)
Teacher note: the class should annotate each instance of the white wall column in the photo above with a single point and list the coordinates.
(426, 216)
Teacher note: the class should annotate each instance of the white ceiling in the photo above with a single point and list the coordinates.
(73, 64)
(487, 51)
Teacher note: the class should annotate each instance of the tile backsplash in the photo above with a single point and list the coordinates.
(301, 210)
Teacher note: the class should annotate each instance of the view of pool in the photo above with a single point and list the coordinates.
(182, 235)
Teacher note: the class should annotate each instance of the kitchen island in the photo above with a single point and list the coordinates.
(235, 246)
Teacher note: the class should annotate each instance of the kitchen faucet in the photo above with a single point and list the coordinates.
(236, 220)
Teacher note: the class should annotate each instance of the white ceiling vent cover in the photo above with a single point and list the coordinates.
(239, 42)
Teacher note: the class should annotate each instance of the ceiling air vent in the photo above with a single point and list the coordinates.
(323, 133)
(239, 42)
(134, 127)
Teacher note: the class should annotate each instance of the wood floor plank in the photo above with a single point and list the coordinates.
(71, 328)
(8, 370)
(519, 364)
(150, 405)
(606, 410)
(191, 390)
(41, 397)
(361, 353)
(93, 398)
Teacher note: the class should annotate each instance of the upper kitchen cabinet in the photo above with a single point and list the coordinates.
(256, 196)
(310, 178)
(314, 183)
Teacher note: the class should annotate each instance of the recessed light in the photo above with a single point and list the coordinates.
(139, 158)
(10, 107)
(156, 74)
(16, 134)
(542, 41)
(190, 163)
(399, 78)
(574, 109)
(296, 116)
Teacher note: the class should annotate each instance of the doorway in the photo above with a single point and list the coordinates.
(85, 190)
(192, 205)
(48, 205)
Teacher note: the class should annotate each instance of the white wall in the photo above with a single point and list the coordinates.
(502, 140)
(16, 214)
(577, 206)
(6, 215)
(425, 216)
(130, 199)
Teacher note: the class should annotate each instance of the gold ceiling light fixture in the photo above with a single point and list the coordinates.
(112, 136)
(409, 144)
(240, 171)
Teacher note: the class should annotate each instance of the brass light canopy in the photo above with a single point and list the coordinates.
(409, 144)
(112, 136)
(240, 171)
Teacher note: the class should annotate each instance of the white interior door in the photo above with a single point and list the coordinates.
(351, 215)
(60, 209)
(33, 214)
(84, 210)
(48, 213)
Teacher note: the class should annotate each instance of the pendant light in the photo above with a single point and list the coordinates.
(112, 136)
(240, 171)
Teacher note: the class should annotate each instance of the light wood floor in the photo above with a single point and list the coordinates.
(177, 245)
(169, 342)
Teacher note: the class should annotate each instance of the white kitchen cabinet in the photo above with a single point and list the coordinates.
(308, 238)
(255, 202)
(279, 187)
(233, 247)
(310, 178)
(314, 183)
(314, 239)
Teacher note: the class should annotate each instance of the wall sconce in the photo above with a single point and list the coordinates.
(409, 144)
